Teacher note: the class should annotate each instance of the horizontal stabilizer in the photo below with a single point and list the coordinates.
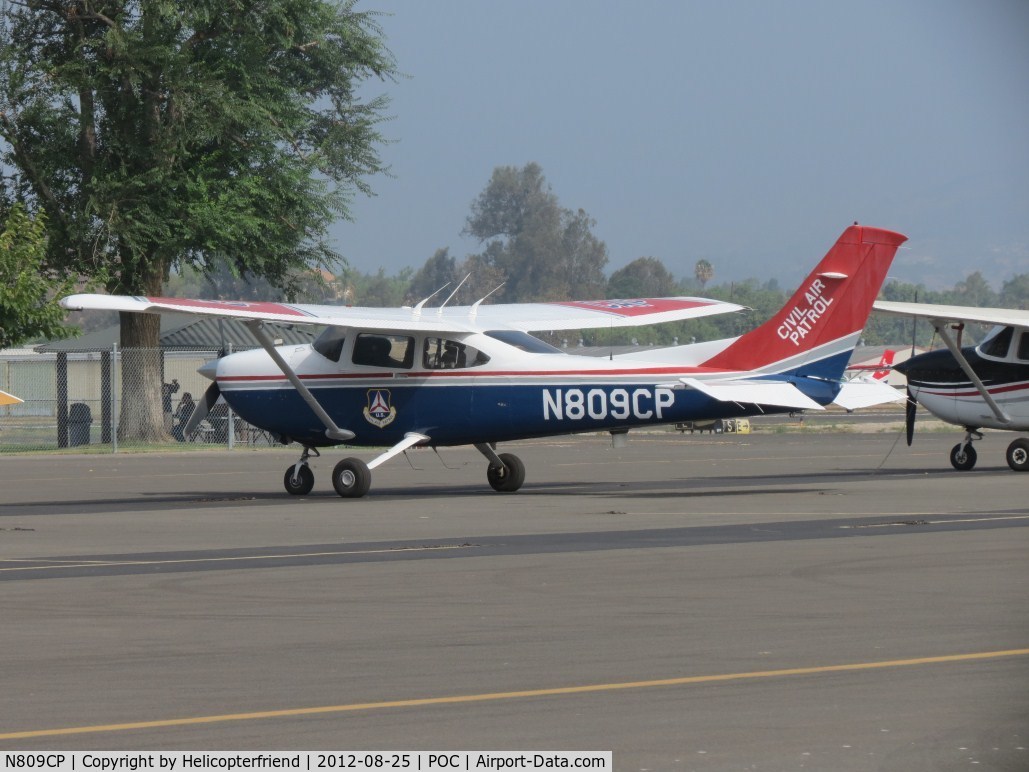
(757, 391)
(866, 392)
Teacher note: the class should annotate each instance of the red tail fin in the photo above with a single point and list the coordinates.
(826, 313)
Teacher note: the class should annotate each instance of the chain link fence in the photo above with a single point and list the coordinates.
(111, 399)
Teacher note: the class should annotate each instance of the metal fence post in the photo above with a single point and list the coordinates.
(114, 397)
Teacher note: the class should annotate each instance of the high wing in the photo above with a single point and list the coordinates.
(1012, 317)
(526, 317)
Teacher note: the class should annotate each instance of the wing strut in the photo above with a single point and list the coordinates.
(333, 432)
(941, 328)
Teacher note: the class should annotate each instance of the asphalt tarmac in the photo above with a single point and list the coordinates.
(698, 602)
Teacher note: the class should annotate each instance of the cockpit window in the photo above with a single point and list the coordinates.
(524, 341)
(330, 343)
(443, 354)
(392, 351)
(998, 345)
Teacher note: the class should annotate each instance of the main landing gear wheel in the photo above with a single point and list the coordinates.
(509, 478)
(351, 478)
(302, 483)
(1018, 455)
(963, 456)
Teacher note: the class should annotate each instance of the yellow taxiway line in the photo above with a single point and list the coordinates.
(514, 695)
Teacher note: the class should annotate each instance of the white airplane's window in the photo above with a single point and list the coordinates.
(1023, 347)
(393, 351)
(330, 343)
(443, 354)
(524, 341)
(997, 346)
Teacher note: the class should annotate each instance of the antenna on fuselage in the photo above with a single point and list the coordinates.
(475, 306)
(417, 310)
(439, 311)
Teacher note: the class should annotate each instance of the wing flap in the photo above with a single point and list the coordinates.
(758, 391)
(588, 314)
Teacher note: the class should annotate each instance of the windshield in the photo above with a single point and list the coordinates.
(997, 345)
(330, 343)
(524, 341)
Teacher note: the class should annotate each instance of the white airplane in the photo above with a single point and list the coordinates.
(472, 375)
(975, 386)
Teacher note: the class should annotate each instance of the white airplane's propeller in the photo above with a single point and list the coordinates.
(909, 416)
(204, 405)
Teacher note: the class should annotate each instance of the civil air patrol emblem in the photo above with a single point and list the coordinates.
(379, 411)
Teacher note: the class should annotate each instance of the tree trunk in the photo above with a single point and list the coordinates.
(142, 413)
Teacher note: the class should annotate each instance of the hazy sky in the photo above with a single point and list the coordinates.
(747, 133)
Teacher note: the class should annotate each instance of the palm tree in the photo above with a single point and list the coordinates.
(704, 272)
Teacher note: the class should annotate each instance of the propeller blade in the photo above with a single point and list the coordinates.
(909, 417)
(203, 407)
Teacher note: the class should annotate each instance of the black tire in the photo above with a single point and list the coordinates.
(351, 478)
(303, 483)
(510, 478)
(1018, 455)
(963, 456)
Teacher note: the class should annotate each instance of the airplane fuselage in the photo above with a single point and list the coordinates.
(938, 383)
(513, 395)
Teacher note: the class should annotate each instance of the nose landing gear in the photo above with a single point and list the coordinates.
(299, 479)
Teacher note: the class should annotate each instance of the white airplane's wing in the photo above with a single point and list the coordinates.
(569, 315)
(1003, 316)
(757, 391)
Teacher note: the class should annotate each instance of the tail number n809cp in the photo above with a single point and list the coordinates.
(619, 404)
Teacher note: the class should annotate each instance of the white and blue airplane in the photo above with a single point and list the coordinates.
(473, 375)
(976, 387)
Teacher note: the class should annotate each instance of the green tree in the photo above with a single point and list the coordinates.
(542, 250)
(377, 289)
(1015, 292)
(28, 308)
(974, 290)
(438, 271)
(704, 272)
(158, 134)
(644, 277)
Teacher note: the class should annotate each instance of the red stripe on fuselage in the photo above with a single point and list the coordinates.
(975, 392)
